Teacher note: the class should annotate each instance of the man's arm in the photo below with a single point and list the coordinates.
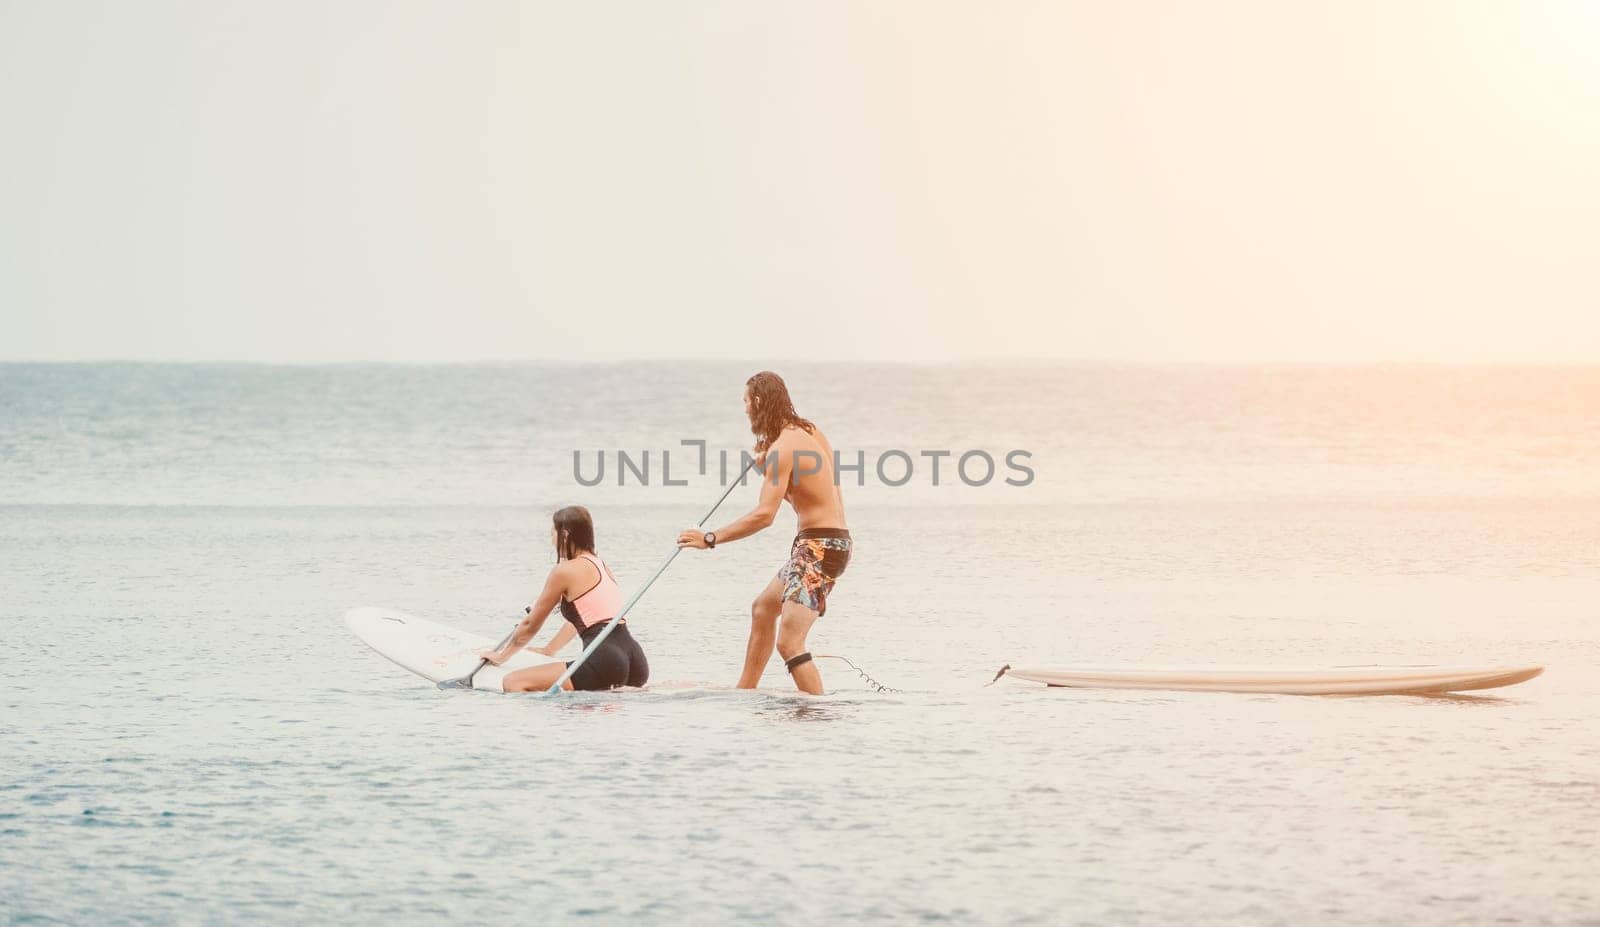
(774, 486)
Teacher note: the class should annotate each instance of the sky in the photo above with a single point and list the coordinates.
(378, 180)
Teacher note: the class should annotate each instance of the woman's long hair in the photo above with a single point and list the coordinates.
(771, 410)
(574, 532)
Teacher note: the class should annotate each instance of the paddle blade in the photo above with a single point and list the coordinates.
(463, 682)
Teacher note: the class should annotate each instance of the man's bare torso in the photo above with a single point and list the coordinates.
(813, 489)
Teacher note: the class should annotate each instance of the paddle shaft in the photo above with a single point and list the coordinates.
(467, 679)
(611, 625)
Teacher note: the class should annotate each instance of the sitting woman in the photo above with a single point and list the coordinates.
(589, 599)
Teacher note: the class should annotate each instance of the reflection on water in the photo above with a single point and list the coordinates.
(803, 710)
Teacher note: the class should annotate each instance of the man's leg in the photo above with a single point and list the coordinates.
(793, 626)
(763, 632)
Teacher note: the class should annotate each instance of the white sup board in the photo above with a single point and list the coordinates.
(1325, 680)
(433, 651)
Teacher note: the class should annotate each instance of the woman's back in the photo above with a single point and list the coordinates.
(599, 603)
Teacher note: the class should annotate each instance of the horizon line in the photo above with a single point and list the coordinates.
(771, 362)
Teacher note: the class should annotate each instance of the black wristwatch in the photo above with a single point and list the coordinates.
(710, 539)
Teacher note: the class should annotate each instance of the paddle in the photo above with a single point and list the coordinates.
(465, 682)
(611, 625)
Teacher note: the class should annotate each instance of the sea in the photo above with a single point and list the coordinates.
(190, 734)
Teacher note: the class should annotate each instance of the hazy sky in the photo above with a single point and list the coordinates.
(823, 180)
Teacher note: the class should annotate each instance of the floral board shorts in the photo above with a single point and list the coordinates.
(816, 561)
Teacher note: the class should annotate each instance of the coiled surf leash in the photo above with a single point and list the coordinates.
(611, 625)
(875, 684)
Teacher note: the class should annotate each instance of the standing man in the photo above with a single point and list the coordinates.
(797, 464)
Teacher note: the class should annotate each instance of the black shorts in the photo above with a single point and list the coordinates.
(619, 661)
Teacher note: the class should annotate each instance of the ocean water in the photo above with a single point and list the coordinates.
(188, 733)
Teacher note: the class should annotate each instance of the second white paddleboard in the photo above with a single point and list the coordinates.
(1324, 680)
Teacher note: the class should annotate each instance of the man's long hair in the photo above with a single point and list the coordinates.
(771, 410)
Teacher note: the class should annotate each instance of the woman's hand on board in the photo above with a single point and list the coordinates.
(493, 656)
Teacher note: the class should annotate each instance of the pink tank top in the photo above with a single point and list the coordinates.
(600, 603)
